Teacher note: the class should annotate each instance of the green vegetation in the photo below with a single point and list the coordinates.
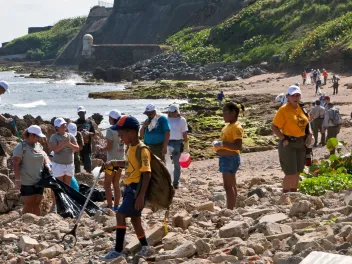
(47, 44)
(204, 114)
(297, 30)
(334, 174)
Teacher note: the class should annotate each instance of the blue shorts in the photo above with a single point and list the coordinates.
(127, 207)
(229, 164)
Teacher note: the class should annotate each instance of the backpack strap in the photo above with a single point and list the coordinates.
(139, 158)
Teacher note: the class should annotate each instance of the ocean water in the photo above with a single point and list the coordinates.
(48, 98)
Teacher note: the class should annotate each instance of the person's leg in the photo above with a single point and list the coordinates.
(28, 204)
(120, 231)
(288, 162)
(88, 162)
(315, 128)
(38, 202)
(138, 228)
(116, 185)
(316, 89)
(107, 188)
(337, 89)
(231, 192)
(176, 159)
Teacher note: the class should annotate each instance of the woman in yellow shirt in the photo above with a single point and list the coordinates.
(228, 150)
(289, 125)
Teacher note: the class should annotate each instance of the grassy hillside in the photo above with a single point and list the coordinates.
(47, 44)
(296, 30)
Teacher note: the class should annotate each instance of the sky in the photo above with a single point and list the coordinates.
(21, 14)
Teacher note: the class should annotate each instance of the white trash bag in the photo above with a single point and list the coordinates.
(168, 162)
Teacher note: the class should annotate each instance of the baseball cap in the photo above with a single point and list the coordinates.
(149, 108)
(81, 109)
(293, 90)
(52, 154)
(5, 85)
(126, 122)
(34, 129)
(72, 129)
(59, 122)
(174, 108)
(114, 114)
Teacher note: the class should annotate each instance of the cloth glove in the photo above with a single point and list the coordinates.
(218, 143)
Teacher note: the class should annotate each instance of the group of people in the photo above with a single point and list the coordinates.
(318, 79)
(162, 134)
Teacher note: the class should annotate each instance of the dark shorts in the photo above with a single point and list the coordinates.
(29, 190)
(127, 207)
(293, 156)
(229, 164)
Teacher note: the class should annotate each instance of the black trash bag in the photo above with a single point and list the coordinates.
(69, 202)
(98, 195)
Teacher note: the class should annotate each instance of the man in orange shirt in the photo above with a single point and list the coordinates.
(325, 74)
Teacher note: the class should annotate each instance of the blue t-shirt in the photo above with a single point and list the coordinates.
(157, 134)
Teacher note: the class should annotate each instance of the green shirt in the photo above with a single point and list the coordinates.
(32, 162)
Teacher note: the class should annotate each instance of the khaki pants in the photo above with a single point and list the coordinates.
(317, 126)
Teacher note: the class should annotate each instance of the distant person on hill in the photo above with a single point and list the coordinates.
(115, 150)
(289, 125)
(315, 76)
(335, 84)
(318, 75)
(311, 76)
(220, 97)
(304, 77)
(330, 124)
(85, 126)
(325, 75)
(72, 129)
(4, 87)
(317, 114)
(156, 132)
(318, 87)
(228, 150)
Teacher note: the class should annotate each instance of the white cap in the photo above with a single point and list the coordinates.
(5, 85)
(296, 83)
(150, 108)
(72, 129)
(36, 130)
(293, 90)
(174, 108)
(59, 122)
(52, 154)
(81, 109)
(114, 114)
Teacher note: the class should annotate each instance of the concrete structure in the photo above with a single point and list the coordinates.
(4, 44)
(87, 45)
(118, 55)
(38, 29)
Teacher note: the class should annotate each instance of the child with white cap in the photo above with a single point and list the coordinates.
(115, 151)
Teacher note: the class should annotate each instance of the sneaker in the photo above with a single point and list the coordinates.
(146, 251)
(112, 254)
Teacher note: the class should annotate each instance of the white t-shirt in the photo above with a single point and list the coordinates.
(118, 149)
(178, 127)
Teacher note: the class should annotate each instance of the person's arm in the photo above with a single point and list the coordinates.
(58, 147)
(166, 142)
(144, 126)
(236, 145)
(108, 146)
(16, 169)
(91, 130)
(185, 136)
(278, 133)
(73, 143)
(145, 177)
